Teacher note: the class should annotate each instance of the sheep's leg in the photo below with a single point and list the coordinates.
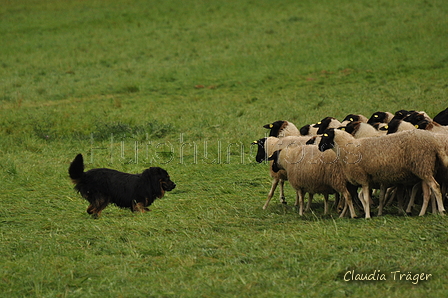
(325, 204)
(415, 189)
(342, 207)
(400, 198)
(310, 199)
(444, 190)
(426, 197)
(435, 187)
(432, 183)
(366, 199)
(349, 203)
(382, 199)
(271, 192)
(344, 211)
(391, 193)
(299, 201)
(337, 199)
(433, 205)
(282, 192)
(361, 199)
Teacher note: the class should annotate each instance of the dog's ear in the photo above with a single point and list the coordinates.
(156, 174)
(153, 176)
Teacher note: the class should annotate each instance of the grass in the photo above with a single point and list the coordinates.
(187, 85)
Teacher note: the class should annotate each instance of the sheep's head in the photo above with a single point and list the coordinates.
(401, 114)
(276, 127)
(324, 124)
(327, 141)
(378, 117)
(352, 127)
(261, 152)
(305, 130)
(274, 157)
(352, 118)
(424, 124)
(415, 118)
(393, 125)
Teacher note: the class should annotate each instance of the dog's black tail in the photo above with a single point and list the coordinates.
(76, 168)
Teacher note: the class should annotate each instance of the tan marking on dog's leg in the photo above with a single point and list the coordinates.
(140, 207)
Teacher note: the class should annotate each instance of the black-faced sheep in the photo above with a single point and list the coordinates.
(382, 117)
(319, 127)
(265, 148)
(362, 130)
(432, 126)
(397, 125)
(311, 171)
(398, 159)
(354, 118)
(442, 117)
(282, 128)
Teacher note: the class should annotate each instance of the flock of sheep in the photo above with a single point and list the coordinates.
(403, 155)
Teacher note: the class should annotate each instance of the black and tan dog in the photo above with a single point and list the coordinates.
(102, 187)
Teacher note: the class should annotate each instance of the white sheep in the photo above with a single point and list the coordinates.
(396, 159)
(282, 128)
(354, 118)
(266, 147)
(382, 117)
(362, 130)
(311, 171)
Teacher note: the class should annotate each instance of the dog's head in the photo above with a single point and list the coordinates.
(160, 180)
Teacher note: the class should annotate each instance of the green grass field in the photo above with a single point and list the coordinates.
(188, 85)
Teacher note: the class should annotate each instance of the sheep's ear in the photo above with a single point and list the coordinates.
(274, 155)
(416, 126)
(340, 128)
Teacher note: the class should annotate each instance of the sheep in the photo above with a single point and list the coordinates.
(442, 117)
(326, 123)
(382, 117)
(311, 171)
(432, 126)
(401, 114)
(415, 117)
(397, 125)
(353, 118)
(396, 159)
(282, 128)
(309, 130)
(362, 130)
(266, 147)
(319, 127)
